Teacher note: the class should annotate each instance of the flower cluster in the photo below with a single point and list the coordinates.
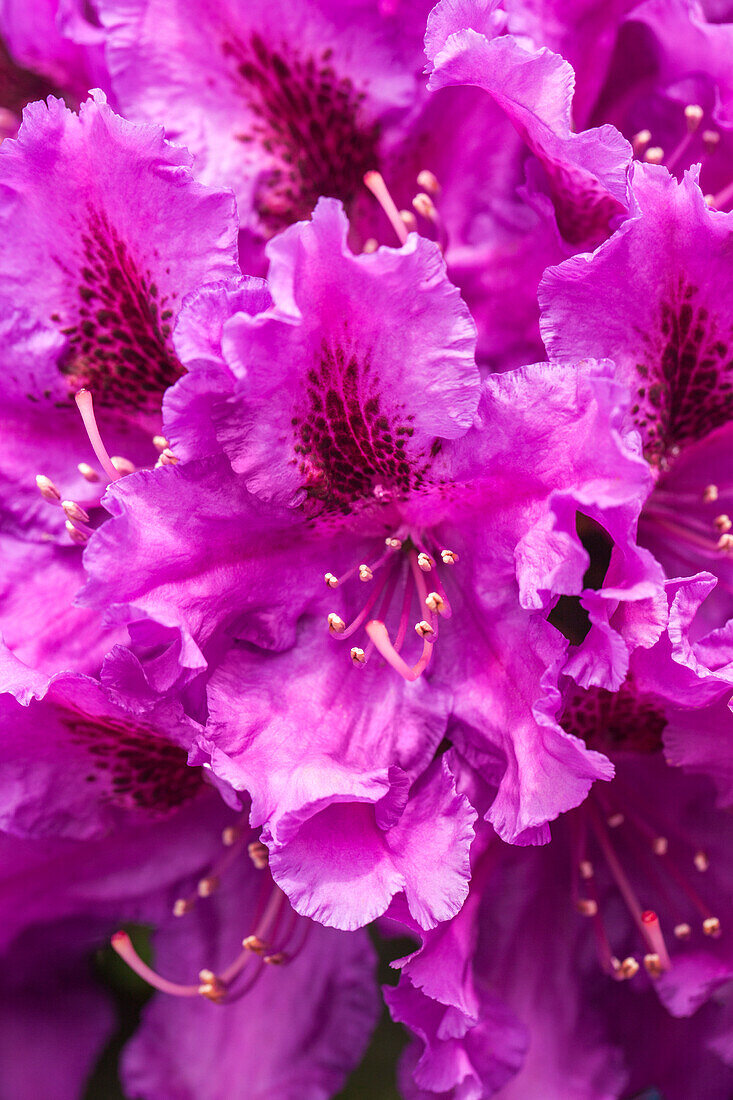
(367, 551)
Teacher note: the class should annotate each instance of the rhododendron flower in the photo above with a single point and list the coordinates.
(104, 233)
(633, 888)
(655, 299)
(252, 1000)
(366, 452)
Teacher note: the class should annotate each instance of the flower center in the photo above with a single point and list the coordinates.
(614, 847)
(278, 935)
(309, 120)
(408, 561)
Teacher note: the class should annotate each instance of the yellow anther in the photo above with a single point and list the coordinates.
(428, 182)
(424, 629)
(660, 844)
(587, 907)
(254, 944)
(586, 869)
(653, 965)
(75, 511)
(123, 465)
(711, 927)
(357, 655)
(693, 116)
(615, 820)
(393, 544)
(425, 562)
(682, 931)
(336, 624)
(365, 573)
(160, 442)
(711, 139)
(259, 854)
(370, 245)
(46, 488)
(75, 534)
(722, 523)
(725, 543)
(640, 141)
(701, 861)
(230, 835)
(211, 986)
(449, 557)
(629, 967)
(435, 602)
(710, 494)
(207, 886)
(88, 472)
(276, 959)
(409, 219)
(654, 154)
(331, 580)
(181, 906)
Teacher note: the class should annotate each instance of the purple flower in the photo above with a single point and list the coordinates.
(584, 173)
(282, 102)
(654, 299)
(634, 887)
(293, 1002)
(104, 233)
(353, 414)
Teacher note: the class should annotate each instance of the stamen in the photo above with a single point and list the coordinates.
(370, 245)
(711, 140)
(375, 183)
(693, 116)
(654, 155)
(85, 406)
(181, 906)
(365, 573)
(124, 466)
(207, 886)
(701, 861)
(230, 835)
(357, 655)
(682, 931)
(711, 927)
(160, 442)
(77, 536)
(722, 523)
(588, 907)
(87, 471)
(47, 489)
(615, 820)
(331, 581)
(660, 845)
(725, 543)
(424, 629)
(448, 557)
(710, 494)
(428, 182)
(653, 965)
(409, 220)
(435, 602)
(640, 141)
(211, 986)
(74, 511)
(425, 562)
(259, 854)
(629, 968)
(336, 624)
